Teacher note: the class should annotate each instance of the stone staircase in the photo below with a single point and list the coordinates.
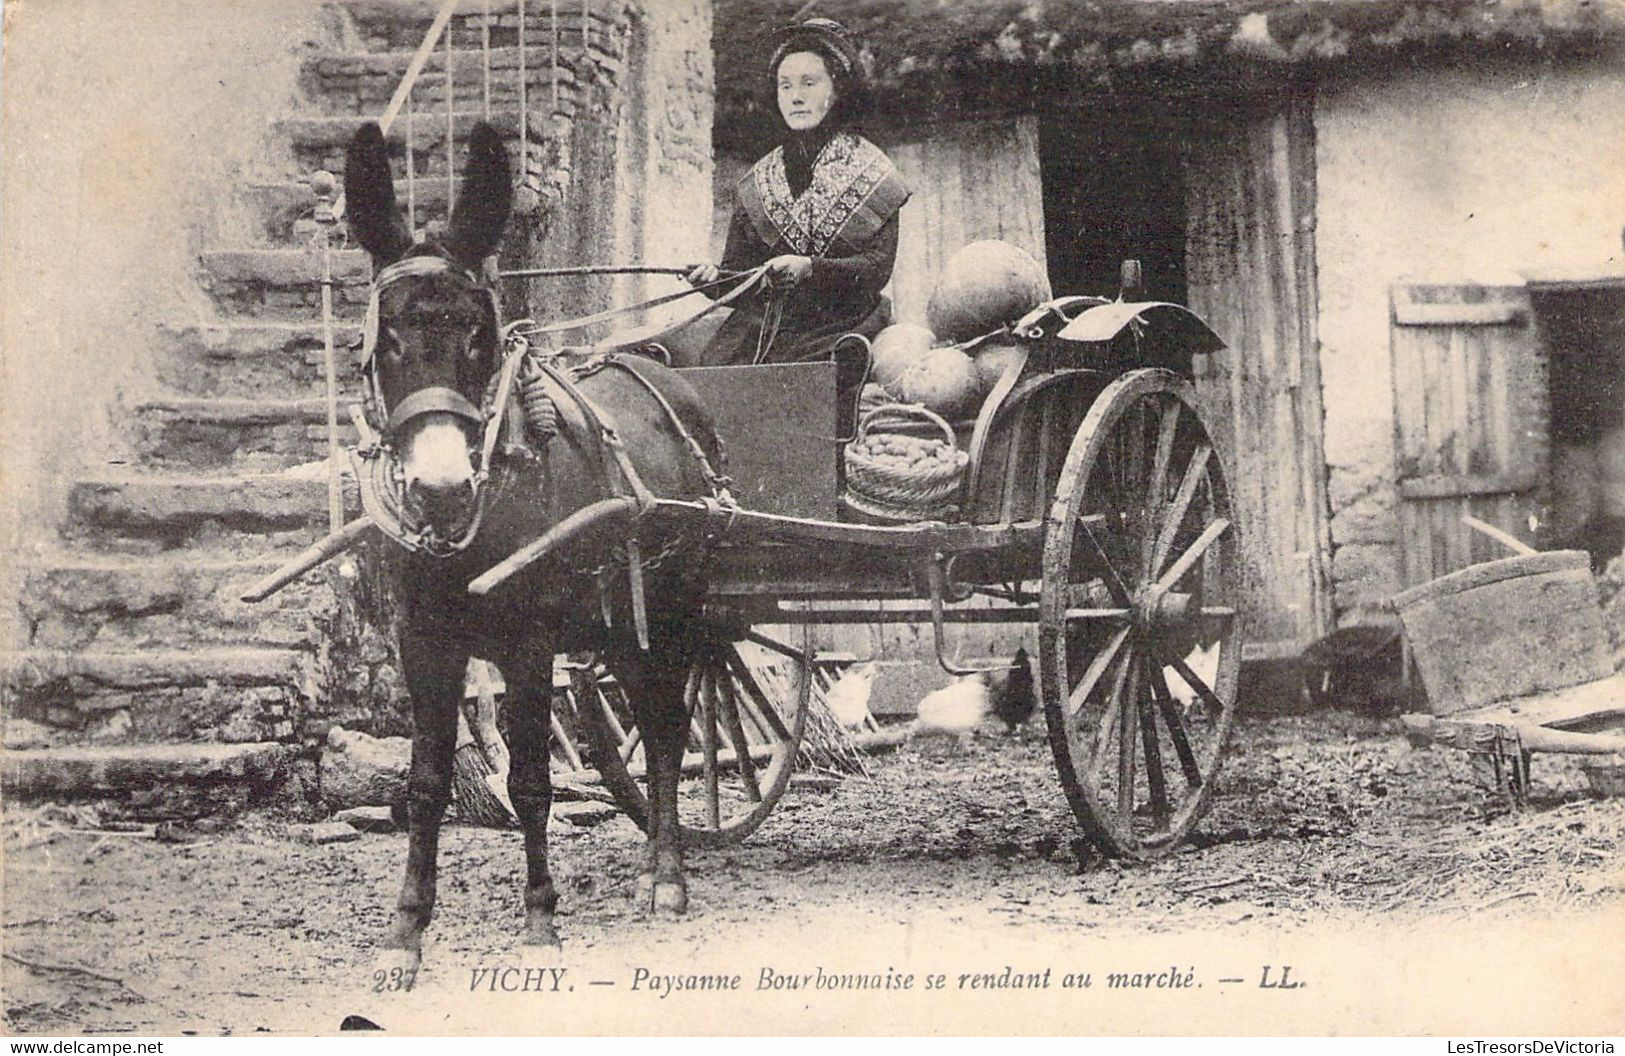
(142, 671)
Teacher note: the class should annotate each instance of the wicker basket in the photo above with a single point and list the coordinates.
(889, 491)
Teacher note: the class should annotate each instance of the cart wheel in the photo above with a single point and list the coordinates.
(747, 705)
(1140, 637)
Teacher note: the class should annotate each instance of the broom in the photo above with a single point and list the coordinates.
(825, 743)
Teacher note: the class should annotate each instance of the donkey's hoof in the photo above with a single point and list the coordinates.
(541, 945)
(670, 897)
(664, 896)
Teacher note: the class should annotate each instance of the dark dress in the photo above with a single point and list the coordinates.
(845, 220)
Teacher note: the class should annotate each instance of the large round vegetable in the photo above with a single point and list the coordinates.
(943, 379)
(992, 360)
(984, 286)
(897, 348)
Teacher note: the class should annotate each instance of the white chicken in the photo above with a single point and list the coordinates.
(848, 698)
(957, 708)
(1204, 664)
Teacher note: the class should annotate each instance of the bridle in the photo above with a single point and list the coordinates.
(377, 461)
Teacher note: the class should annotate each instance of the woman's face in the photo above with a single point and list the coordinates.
(806, 91)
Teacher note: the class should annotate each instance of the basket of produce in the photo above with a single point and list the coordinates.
(895, 476)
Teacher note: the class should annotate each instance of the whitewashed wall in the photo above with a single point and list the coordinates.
(1473, 174)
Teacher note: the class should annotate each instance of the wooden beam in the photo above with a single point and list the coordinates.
(1470, 735)
(1482, 313)
(1449, 486)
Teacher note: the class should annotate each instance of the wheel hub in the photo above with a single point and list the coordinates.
(1162, 611)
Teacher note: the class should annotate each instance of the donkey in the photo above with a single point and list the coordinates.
(436, 346)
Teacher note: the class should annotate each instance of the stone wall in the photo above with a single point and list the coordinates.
(618, 164)
(1466, 175)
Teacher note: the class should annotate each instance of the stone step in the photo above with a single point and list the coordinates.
(252, 773)
(351, 84)
(211, 693)
(281, 211)
(285, 284)
(318, 141)
(265, 358)
(72, 600)
(400, 25)
(244, 435)
(161, 511)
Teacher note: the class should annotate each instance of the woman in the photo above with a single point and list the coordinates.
(820, 211)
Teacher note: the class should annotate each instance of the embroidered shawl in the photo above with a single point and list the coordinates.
(855, 189)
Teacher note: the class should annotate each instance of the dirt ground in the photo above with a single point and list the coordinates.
(1404, 899)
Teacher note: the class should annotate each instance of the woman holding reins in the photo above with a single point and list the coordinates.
(820, 211)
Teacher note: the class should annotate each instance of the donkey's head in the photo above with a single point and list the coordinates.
(432, 331)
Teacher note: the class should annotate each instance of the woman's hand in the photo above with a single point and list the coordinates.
(704, 274)
(788, 270)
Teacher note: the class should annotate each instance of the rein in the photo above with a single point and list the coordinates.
(746, 281)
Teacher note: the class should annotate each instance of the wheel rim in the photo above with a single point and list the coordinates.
(747, 702)
(1140, 630)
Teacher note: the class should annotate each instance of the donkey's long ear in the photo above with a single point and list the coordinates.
(483, 200)
(369, 196)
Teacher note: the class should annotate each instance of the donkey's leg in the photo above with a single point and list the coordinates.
(434, 666)
(528, 672)
(654, 682)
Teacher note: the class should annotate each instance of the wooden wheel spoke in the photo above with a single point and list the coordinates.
(729, 708)
(759, 698)
(1176, 728)
(1155, 781)
(1203, 690)
(631, 743)
(691, 693)
(1097, 667)
(1108, 572)
(1209, 536)
(1109, 716)
(708, 745)
(768, 642)
(1195, 471)
(1158, 480)
(1127, 723)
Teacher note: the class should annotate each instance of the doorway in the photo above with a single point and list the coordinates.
(1113, 190)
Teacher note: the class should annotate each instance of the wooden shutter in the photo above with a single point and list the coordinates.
(1470, 423)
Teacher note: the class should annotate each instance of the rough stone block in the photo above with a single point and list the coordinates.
(324, 832)
(362, 771)
(368, 819)
(1364, 573)
(80, 771)
(1369, 520)
(584, 814)
(1347, 484)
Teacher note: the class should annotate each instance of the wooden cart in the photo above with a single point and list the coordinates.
(1515, 659)
(1096, 505)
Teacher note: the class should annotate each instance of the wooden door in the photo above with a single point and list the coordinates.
(1471, 412)
(1250, 270)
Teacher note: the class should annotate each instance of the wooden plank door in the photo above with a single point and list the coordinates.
(1471, 414)
(1250, 270)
